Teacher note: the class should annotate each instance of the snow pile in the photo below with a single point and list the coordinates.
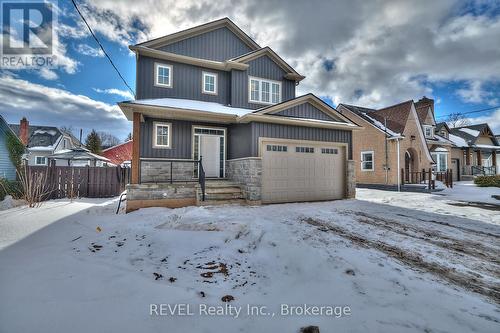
(8, 202)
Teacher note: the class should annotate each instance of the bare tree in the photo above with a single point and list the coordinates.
(108, 139)
(34, 186)
(457, 120)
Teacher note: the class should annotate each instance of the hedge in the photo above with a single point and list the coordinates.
(487, 181)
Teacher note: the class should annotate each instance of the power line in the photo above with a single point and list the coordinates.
(475, 111)
(102, 48)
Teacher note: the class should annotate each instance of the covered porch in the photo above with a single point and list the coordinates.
(480, 161)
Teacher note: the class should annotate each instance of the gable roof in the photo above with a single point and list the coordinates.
(119, 153)
(267, 51)
(39, 136)
(440, 125)
(308, 98)
(422, 112)
(394, 116)
(471, 133)
(8, 127)
(200, 29)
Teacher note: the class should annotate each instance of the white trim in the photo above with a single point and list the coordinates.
(169, 136)
(170, 75)
(426, 127)
(215, 76)
(45, 159)
(261, 80)
(437, 160)
(372, 161)
(194, 127)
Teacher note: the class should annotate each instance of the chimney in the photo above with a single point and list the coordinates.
(23, 131)
(424, 101)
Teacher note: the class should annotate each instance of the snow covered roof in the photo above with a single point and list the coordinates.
(469, 131)
(79, 153)
(189, 104)
(458, 141)
(40, 137)
(370, 116)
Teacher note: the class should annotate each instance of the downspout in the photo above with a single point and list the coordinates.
(399, 169)
(386, 154)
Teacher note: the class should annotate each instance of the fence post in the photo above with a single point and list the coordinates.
(402, 176)
(171, 169)
(430, 180)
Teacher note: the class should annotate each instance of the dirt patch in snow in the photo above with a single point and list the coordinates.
(414, 260)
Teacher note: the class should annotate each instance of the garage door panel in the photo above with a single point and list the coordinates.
(302, 176)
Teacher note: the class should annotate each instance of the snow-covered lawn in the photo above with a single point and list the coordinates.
(463, 200)
(396, 268)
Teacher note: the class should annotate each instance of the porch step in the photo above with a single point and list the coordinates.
(466, 177)
(222, 202)
(220, 192)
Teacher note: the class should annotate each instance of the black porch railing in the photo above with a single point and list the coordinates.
(479, 170)
(171, 170)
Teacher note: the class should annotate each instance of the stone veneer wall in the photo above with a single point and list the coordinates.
(161, 191)
(351, 179)
(248, 172)
(159, 171)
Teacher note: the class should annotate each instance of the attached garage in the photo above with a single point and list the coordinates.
(294, 171)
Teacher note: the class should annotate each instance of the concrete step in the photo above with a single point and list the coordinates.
(221, 202)
(222, 196)
(211, 190)
(218, 184)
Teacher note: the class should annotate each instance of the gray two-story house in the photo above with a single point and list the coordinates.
(211, 93)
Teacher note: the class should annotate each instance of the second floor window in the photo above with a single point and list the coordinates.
(429, 131)
(163, 74)
(209, 83)
(264, 91)
(41, 160)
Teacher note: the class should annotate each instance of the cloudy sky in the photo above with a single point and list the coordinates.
(371, 53)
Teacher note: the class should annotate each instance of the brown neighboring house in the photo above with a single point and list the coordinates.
(398, 141)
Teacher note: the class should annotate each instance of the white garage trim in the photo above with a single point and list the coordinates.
(293, 142)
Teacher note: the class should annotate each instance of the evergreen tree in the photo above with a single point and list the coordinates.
(129, 136)
(93, 142)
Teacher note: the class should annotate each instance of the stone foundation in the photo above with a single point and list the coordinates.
(350, 179)
(247, 172)
(160, 195)
(159, 171)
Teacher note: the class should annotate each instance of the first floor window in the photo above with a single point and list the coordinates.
(161, 132)
(163, 75)
(276, 148)
(441, 160)
(264, 91)
(41, 160)
(209, 83)
(367, 161)
(309, 150)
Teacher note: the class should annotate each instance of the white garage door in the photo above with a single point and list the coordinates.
(302, 171)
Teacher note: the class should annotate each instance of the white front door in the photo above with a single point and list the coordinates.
(210, 153)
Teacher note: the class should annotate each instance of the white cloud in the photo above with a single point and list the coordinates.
(492, 119)
(123, 93)
(88, 50)
(477, 94)
(47, 74)
(52, 106)
(384, 53)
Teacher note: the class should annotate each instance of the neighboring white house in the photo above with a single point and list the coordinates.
(43, 141)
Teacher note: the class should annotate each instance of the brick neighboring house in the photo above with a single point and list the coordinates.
(398, 139)
(120, 154)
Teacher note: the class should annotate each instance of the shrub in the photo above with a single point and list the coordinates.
(10, 187)
(487, 181)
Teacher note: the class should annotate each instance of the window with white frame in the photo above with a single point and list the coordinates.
(429, 131)
(40, 160)
(441, 159)
(162, 135)
(264, 91)
(367, 161)
(209, 83)
(163, 75)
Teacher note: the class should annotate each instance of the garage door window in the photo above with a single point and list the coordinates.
(304, 149)
(276, 148)
(367, 161)
(331, 151)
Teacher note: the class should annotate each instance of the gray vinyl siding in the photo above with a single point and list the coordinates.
(262, 67)
(182, 136)
(239, 141)
(307, 111)
(186, 82)
(219, 45)
(280, 131)
(7, 169)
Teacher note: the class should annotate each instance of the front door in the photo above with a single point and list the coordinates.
(210, 153)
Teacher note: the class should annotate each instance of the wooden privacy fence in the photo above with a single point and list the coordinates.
(426, 177)
(73, 182)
